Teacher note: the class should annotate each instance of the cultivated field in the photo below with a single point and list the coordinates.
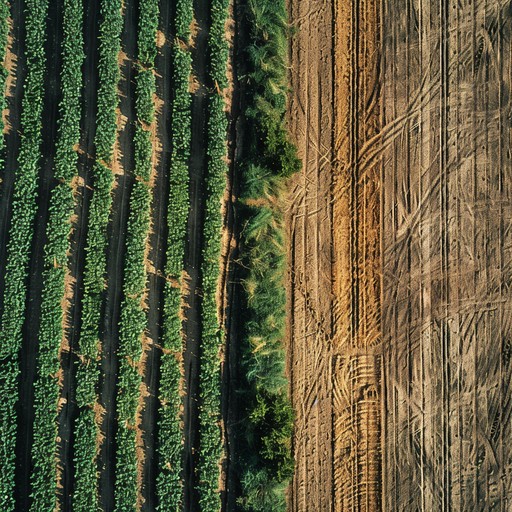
(127, 190)
(255, 255)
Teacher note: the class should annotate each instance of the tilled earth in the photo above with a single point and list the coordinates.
(400, 242)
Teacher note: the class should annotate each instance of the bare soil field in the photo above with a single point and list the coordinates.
(310, 241)
(399, 283)
(447, 241)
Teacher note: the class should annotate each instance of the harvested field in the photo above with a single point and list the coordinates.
(415, 371)
(310, 237)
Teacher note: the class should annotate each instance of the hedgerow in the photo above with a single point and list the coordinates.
(62, 202)
(210, 444)
(170, 435)
(21, 232)
(265, 461)
(85, 497)
(133, 321)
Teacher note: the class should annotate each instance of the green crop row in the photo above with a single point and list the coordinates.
(7, 381)
(4, 72)
(87, 430)
(210, 448)
(170, 434)
(62, 202)
(265, 460)
(133, 321)
(21, 232)
(108, 73)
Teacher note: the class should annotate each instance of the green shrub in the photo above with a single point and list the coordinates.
(265, 460)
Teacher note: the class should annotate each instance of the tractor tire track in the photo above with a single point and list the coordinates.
(158, 237)
(193, 254)
(309, 222)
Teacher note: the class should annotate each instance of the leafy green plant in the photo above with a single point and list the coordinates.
(133, 321)
(85, 497)
(170, 435)
(210, 444)
(21, 232)
(62, 202)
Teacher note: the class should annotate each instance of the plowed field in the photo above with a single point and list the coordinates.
(400, 237)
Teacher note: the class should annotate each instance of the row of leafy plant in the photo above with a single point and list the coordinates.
(133, 321)
(170, 433)
(265, 460)
(4, 72)
(210, 448)
(21, 231)
(87, 429)
(62, 203)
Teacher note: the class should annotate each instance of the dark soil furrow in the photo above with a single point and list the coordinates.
(35, 281)
(192, 326)
(158, 236)
(86, 158)
(116, 234)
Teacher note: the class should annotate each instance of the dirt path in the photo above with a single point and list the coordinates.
(116, 234)
(157, 240)
(309, 230)
(86, 159)
(28, 358)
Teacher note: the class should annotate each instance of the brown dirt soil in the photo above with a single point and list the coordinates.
(334, 356)
(10, 64)
(357, 287)
(309, 221)
(447, 252)
(417, 378)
